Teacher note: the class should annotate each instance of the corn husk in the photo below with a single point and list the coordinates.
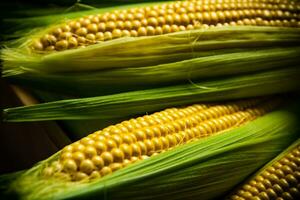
(204, 169)
(134, 78)
(145, 101)
(128, 63)
(146, 51)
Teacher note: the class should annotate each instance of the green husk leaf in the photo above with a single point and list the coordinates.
(125, 79)
(205, 168)
(142, 101)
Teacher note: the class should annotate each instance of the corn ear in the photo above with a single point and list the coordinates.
(188, 51)
(162, 19)
(86, 10)
(119, 145)
(23, 22)
(192, 170)
(164, 33)
(127, 104)
(153, 50)
(278, 179)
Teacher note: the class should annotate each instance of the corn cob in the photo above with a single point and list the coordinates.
(184, 19)
(167, 18)
(279, 179)
(186, 171)
(117, 146)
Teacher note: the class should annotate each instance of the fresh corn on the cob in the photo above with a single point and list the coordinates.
(167, 18)
(279, 179)
(80, 165)
(163, 59)
(207, 6)
(176, 30)
(159, 59)
(185, 171)
(117, 146)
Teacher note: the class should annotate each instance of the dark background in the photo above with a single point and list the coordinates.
(24, 144)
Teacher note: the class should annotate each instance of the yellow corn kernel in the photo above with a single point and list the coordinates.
(116, 146)
(167, 18)
(280, 180)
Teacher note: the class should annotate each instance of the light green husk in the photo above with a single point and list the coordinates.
(204, 169)
(127, 104)
(134, 78)
(127, 64)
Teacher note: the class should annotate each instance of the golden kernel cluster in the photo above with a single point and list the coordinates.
(119, 145)
(168, 18)
(280, 181)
